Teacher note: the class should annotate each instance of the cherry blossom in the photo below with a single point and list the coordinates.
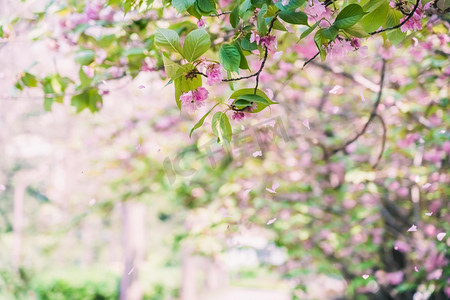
(214, 74)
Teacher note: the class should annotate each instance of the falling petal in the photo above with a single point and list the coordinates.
(337, 89)
(428, 214)
(246, 192)
(92, 202)
(141, 87)
(335, 110)
(306, 124)
(275, 186)
(442, 131)
(441, 236)
(362, 96)
(269, 93)
(417, 179)
(271, 221)
(257, 153)
(416, 269)
(365, 276)
(131, 271)
(277, 55)
(413, 228)
(426, 185)
(396, 247)
(416, 42)
(242, 127)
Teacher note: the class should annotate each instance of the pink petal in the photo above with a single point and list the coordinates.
(257, 153)
(275, 186)
(306, 124)
(365, 276)
(271, 221)
(141, 87)
(441, 236)
(413, 228)
(362, 96)
(277, 55)
(416, 269)
(426, 185)
(428, 214)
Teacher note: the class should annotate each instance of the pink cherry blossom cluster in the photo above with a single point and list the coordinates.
(214, 74)
(415, 22)
(195, 99)
(316, 9)
(268, 41)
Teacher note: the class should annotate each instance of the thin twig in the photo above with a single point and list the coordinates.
(372, 114)
(383, 142)
(310, 60)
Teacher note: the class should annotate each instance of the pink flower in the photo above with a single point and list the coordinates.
(213, 71)
(446, 147)
(200, 94)
(316, 9)
(92, 11)
(269, 41)
(254, 37)
(193, 100)
(201, 23)
(101, 56)
(238, 116)
(415, 22)
(339, 48)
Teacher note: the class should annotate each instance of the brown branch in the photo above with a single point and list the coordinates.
(372, 114)
(383, 142)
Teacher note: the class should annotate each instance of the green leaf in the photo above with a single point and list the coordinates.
(292, 17)
(309, 30)
(29, 80)
(330, 33)
(241, 103)
(173, 70)
(230, 58)
(182, 5)
(378, 17)
(261, 22)
(196, 44)
(48, 102)
(396, 35)
(349, 16)
(201, 121)
(206, 7)
(168, 39)
(84, 57)
(254, 98)
(250, 91)
(234, 17)
(243, 64)
(221, 127)
(87, 99)
(319, 39)
(85, 81)
(292, 5)
(276, 24)
(373, 4)
(357, 30)
(245, 6)
(246, 45)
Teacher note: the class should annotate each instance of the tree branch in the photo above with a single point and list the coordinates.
(383, 143)
(372, 114)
